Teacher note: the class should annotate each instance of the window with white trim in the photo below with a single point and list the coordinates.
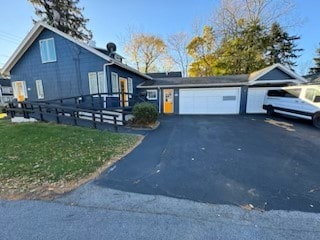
(152, 94)
(39, 87)
(93, 83)
(6, 90)
(97, 83)
(130, 87)
(114, 83)
(47, 50)
(102, 83)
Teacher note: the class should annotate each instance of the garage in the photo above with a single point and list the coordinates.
(255, 99)
(209, 100)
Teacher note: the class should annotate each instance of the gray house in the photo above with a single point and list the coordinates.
(6, 93)
(231, 94)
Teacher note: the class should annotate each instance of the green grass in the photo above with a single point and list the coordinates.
(40, 152)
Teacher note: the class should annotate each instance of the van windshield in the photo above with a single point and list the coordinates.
(313, 94)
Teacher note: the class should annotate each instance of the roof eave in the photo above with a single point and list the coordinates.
(283, 68)
(23, 46)
(193, 85)
(34, 33)
(252, 83)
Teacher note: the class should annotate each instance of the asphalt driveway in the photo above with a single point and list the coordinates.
(239, 160)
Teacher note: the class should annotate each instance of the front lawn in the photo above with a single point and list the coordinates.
(41, 159)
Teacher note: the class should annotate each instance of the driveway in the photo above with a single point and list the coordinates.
(238, 160)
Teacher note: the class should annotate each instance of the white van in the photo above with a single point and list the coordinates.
(302, 101)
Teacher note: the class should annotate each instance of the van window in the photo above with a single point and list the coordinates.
(293, 93)
(276, 93)
(311, 94)
(289, 93)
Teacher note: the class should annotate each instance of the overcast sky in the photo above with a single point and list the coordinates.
(111, 19)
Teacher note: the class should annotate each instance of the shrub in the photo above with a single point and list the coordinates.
(145, 113)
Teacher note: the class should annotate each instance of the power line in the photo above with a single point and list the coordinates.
(9, 39)
(11, 35)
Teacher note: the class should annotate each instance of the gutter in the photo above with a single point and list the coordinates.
(191, 85)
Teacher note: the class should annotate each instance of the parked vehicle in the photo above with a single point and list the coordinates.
(301, 101)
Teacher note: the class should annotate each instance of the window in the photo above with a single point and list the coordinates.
(293, 93)
(114, 83)
(97, 84)
(311, 94)
(101, 83)
(276, 93)
(130, 87)
(289, 93)
(6, 90)
(93, 84)
(152, 94)
(39, 87)
(47, 50)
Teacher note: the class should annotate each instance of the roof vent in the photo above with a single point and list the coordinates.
(111, 47)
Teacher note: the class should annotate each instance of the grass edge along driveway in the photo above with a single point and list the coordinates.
(41, 160)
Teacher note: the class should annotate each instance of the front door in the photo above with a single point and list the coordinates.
(20, 90)
(123, 85)
(168, 100)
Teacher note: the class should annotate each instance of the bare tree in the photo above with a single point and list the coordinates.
(226, 18)
(144, 50)
(177, 45)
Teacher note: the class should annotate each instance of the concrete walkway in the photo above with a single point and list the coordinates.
(93, 212)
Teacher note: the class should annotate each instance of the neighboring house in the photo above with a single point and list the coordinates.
(316, 81)
(313, 78)
(50, 64)
(231, 94)
(5, 91)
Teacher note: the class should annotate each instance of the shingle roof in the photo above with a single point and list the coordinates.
(165, 74)
(216, 80)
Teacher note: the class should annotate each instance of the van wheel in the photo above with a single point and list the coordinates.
(316, 120)
(270, 110)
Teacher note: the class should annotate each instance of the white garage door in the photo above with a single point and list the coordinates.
(255, 99)
(209, 101)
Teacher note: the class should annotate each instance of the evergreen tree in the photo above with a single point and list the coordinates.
(316, 68)
(243, 52)
(64, 15)
(282, 47)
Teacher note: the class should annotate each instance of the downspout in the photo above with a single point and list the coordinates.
(106, 73)
(159, 100)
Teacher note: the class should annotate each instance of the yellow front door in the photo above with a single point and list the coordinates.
(123, 85)
(20, 90)
(168, 100)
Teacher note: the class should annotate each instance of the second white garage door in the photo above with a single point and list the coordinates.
(256, 98)
(209, 101)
